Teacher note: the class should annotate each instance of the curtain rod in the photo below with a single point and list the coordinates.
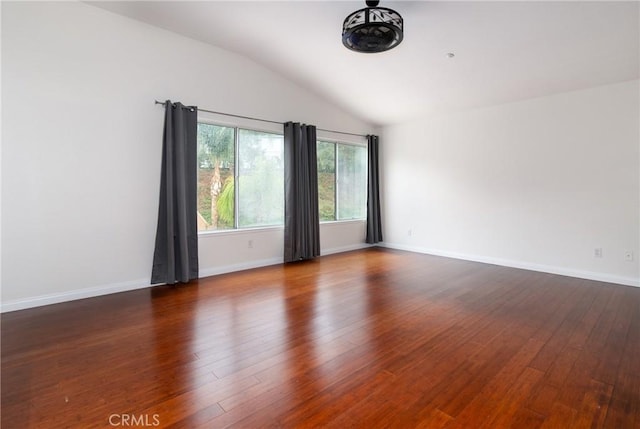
(269, 121)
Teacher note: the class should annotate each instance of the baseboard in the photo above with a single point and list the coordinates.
(350, 248)
(56, 298)
(589, 275)
(214, 271)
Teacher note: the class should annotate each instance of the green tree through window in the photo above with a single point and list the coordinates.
(216, 155)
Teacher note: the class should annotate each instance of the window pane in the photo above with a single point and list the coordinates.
(215, 177)
(326, 180)
(352, 182)
(261, 179)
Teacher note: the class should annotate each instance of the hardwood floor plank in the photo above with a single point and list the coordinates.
(376, 338)
(617, 340)
(557, 373)
(594, 406)
(542, 398)
(578, 380)
(586, 325)
(340, 407)
(200, 401)
(624, 407)
(285, 371)
(482, 367)
(487, 401)
(561, 417)
(513, 400)
(435, 419)
(564, 332)
(525, 418)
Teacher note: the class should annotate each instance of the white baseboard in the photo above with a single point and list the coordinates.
(346, 248)
(589, 275)
(214, 271)
(56, 298)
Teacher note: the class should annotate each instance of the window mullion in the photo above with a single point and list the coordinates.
(236, 178)
(335, 178)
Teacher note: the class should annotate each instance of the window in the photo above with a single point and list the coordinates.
(254, 160)
(326, 154)
(342, 181)
(261, 179)
(216, 171)
(241, 179)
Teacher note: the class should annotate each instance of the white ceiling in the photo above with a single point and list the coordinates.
(504, 51)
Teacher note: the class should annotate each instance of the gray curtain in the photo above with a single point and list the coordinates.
(175, 258)
(374, 221)
(301, 218)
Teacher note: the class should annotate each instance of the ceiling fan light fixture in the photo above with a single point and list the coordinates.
(372, 29)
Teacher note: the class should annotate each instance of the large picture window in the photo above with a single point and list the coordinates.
(241, 179)
(253, 160)
(261, 179)
(342, 181)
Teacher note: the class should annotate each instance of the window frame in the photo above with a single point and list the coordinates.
(248, 124)
(236, 171)
(237, 180)
(336, 142)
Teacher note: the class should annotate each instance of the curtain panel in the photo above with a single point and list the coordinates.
(175, 257)
(301, 218)
(374, 220)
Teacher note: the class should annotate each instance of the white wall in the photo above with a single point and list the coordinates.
(537, 184)
(81, 147)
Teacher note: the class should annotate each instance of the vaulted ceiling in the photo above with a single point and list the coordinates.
(503, 51)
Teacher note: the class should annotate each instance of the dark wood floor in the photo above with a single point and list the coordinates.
(367, 339)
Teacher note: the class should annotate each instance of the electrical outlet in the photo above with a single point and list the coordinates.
(250, 244)
(628, 256)
(410, 233)
(597, 252)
